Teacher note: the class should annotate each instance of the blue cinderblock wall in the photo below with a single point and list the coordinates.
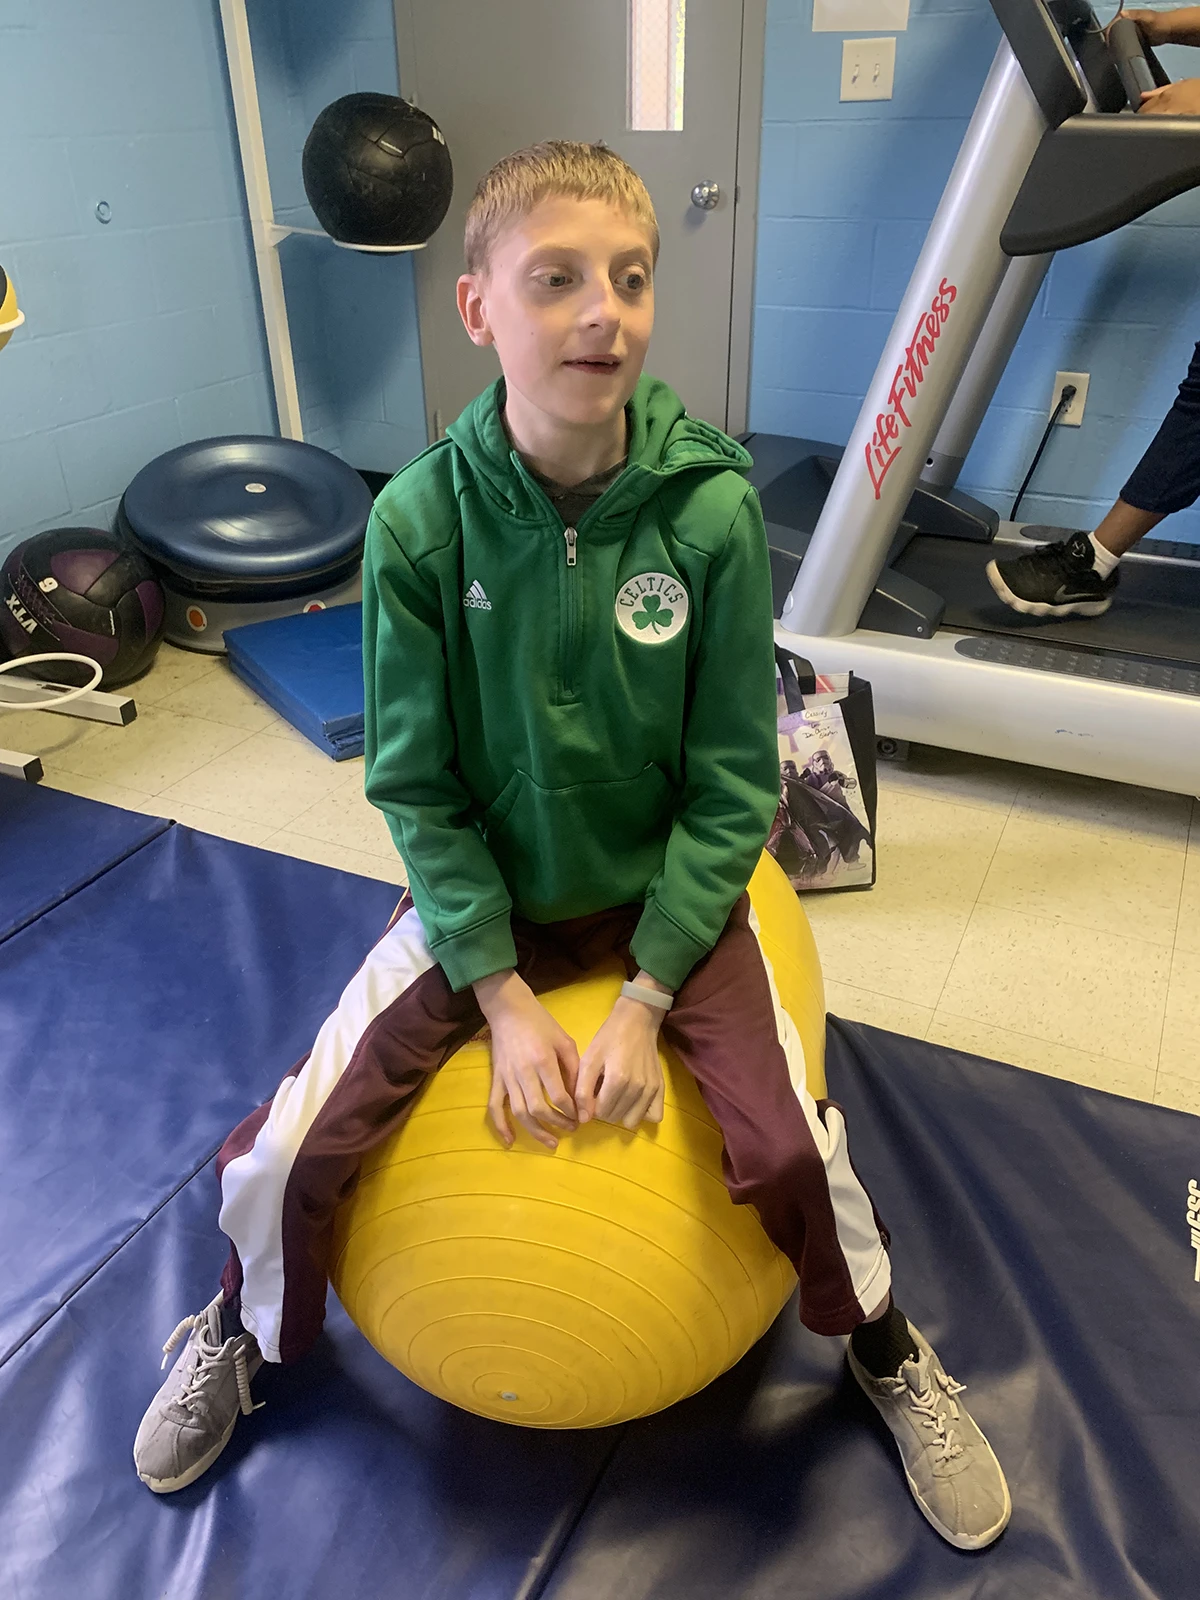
(847, 192)
(144, 331)
(353, 317)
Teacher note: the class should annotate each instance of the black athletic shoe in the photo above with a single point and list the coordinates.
(1055, 580)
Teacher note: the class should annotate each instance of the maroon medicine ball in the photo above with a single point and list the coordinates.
(83, 591)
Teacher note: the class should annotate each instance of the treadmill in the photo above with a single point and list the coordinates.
(878, 561)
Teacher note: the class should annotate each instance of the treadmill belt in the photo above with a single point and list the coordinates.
(1156, 613)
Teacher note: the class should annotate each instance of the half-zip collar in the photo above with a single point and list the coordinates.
(663, 442)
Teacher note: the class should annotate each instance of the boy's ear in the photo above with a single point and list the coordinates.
(471, 308)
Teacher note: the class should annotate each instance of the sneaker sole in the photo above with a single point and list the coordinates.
(961, 1541)
(1040, 608)
(196, 1470)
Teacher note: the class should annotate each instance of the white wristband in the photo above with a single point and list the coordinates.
(650, 997)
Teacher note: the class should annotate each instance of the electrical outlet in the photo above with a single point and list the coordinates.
(1073, 415)
(868, 69)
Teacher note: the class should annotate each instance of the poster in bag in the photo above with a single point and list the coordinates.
(821, 836)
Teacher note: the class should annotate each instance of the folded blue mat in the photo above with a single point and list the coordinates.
(309, 668)
(52, 844)
(1040, 1239)
(139, 1021)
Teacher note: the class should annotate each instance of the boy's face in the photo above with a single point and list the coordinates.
(568, 301)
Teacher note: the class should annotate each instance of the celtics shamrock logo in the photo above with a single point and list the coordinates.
(652, 608)
(653, 614)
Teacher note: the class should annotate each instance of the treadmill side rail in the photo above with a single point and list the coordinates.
(1095, 174)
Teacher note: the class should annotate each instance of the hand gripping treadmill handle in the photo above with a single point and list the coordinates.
(1139, 68)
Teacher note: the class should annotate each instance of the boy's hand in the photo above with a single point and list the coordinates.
(534, 1061)
(620, 1076)
(1180, 99)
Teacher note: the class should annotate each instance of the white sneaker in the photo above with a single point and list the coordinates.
(951, 1468)
(192, 1417)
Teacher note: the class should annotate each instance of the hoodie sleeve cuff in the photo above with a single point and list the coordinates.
(476, 953)
(661, 947)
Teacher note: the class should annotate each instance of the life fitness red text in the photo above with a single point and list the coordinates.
(910, 375)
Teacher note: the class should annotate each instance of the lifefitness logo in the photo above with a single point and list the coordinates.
(1193, 1221)
(910, 375)
(652, 608)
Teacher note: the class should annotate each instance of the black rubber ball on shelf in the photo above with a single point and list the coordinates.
(377, 171)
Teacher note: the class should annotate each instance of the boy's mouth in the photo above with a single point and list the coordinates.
(603, 366)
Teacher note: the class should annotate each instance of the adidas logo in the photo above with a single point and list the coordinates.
(475, 599)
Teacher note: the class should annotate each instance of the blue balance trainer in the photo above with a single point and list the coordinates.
(245, 528)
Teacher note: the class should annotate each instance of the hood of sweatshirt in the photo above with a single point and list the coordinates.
(663, 442)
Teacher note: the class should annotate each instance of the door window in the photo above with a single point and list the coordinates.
(656, 46)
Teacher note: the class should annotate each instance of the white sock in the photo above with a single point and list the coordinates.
(1103, 560)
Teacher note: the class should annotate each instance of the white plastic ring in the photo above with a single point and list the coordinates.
(57, 697)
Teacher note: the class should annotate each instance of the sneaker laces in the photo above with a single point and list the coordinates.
(931, 1404)
(204, 1363)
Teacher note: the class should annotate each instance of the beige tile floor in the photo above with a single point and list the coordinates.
(1024, 915)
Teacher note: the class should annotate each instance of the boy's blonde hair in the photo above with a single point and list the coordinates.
(550, 170)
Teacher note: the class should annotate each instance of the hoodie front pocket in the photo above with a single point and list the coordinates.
(566, 852)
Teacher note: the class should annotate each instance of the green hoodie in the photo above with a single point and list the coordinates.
(561, 720)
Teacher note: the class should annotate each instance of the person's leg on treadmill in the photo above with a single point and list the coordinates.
(1078, 575)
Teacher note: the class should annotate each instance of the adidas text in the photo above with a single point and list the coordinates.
(475, 599)
(1193, 1220)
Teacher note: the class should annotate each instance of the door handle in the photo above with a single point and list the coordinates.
(705, 195)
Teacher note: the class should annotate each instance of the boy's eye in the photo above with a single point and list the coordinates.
(633, 281)
(553, 280)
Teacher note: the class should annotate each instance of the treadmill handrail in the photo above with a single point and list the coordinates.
(1097, 172)
(1044, 58)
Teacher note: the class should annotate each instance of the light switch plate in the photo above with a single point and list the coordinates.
(868, 69)
(860, 16)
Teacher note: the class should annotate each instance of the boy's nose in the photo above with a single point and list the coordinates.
(603, 308)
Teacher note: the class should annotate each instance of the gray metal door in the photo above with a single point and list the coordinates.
(499, 74)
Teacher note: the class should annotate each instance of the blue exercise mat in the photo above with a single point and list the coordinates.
(309, 668)
(1040, 1239)
(139, 1022)
(349, 1484)
(52, 844)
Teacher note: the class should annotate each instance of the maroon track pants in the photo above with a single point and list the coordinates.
(287, 1167)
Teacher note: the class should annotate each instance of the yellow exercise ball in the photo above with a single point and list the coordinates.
(10, 317)
(580, 1287)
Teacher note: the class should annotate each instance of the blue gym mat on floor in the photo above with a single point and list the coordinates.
(141, 1019)
(1040, 1239)
(350, 1484)
(54, 843)
(1040, 1236)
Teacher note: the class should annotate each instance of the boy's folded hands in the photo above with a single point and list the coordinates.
(534, 1062)
(620, 1076)
(538, 1079)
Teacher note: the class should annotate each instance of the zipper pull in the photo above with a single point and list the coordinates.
(572, 539)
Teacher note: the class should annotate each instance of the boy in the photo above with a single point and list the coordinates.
(1078, 576)
(571, 731)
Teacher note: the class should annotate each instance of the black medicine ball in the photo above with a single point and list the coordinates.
(80, 590)
(377, 171)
